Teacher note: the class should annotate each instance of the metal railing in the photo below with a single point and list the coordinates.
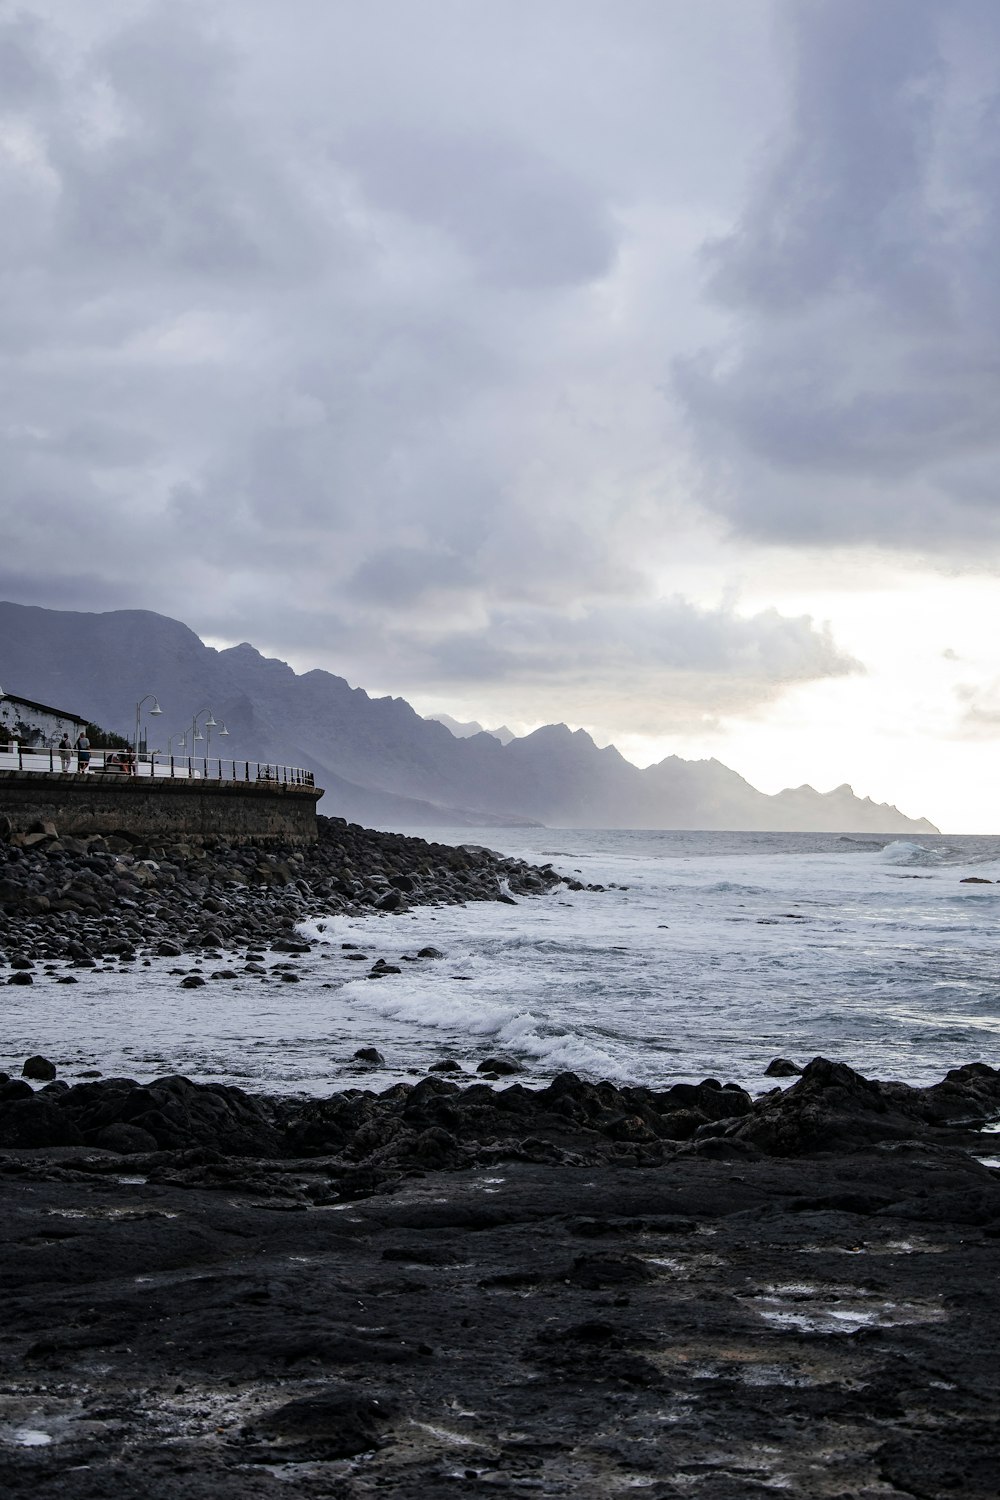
(123, 764)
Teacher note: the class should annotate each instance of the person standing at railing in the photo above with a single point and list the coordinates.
(83, 753)
(65, 752)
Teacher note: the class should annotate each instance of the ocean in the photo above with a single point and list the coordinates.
(706, 955)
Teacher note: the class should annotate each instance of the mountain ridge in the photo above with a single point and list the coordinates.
(379, 760)
(465, 730)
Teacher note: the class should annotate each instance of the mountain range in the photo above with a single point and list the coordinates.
(465, 730)
(379, 761)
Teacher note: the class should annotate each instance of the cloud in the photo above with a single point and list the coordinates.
(521, 220)
(407, 575)
(855, 400)
(766, 649)
(25, 75)
(979, 705)
(349, 337)
(656, 668)
(653, 666)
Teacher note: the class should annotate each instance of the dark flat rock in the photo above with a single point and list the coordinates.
(530, 1329)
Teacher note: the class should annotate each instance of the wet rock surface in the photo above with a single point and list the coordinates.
(84, 899)
(698, 1326)
(495, 1291)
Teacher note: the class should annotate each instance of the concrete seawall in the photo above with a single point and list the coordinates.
(241, 812)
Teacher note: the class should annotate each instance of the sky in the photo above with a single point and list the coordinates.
(627, 363)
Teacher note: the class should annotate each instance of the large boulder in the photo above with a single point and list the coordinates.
(37, 1121)
(38, 1067)
(174, 1114)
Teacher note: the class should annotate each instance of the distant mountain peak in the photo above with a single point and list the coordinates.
(464, 730)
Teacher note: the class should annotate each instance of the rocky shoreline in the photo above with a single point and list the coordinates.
(447, 1287)
(367, 1141)
(576, 1291)
(87, 898)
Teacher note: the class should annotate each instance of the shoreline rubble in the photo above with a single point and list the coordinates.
(86, 899)
(367, 1140)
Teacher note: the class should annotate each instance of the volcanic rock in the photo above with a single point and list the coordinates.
(337, 1422)
(370, 1055)
(782, 1067)
(38, 1067)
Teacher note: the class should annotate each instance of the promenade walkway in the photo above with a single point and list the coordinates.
(108, 763)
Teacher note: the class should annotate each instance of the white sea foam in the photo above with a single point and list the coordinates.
(903, 852)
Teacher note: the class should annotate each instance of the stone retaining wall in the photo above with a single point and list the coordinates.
(241, 812)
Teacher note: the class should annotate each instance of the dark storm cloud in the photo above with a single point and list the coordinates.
(407, 575)
(342, 329)
(520, 219)
(844, 202)
(857, 402)
(24, 74)
(174, 188)
(77, 591)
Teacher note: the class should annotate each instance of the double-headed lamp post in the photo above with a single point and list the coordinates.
(156, 709)
(210, 723)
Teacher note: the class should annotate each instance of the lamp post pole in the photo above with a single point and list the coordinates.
(210, 723)
(156, 709)
(196, 733)
(222, 730)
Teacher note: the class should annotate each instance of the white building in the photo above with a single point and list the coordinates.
(35, 725)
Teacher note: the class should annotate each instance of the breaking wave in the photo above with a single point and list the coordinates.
(903, 852)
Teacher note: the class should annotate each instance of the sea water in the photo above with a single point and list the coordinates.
(707, 954)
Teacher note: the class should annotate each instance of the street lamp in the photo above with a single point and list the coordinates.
(156, 709)
(210, 723)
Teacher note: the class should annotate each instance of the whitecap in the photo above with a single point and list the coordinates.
(903, 852)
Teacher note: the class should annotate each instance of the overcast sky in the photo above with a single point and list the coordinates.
(633, 363)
